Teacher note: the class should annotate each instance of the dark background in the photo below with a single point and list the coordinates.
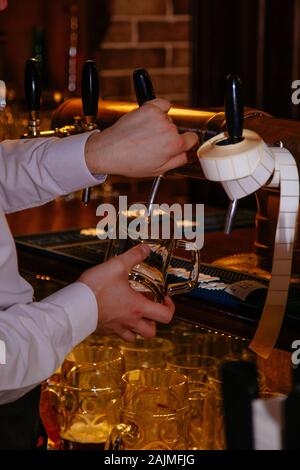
(258, 39)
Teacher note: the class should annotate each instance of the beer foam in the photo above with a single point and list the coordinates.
(87, 433)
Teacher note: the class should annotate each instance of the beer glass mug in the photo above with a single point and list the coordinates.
(193, 341)
(202, 393)
(203, 399)
(111, 341)
(146, 352)
(195, 366)
(157, 231)
(213, 419)
(154, 412)
(89, 396)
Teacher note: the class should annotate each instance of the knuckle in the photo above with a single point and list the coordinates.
(136, 312)
(167, 130)
(153, 111)
(180, 143)
(176, 145)
(120, 266)
(173, 128)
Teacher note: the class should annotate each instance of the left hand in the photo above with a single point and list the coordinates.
(121, 310)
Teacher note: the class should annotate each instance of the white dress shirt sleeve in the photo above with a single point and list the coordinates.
(36, 337)
(35, 171)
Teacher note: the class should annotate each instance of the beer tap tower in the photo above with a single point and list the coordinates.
(32, 84)
(243, 164)
(33, 91)
(90, 96)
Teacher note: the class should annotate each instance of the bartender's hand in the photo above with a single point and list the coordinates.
(144, 142)
(121, 310)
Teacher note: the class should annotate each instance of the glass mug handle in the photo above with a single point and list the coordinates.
(185, 286)
(119, 432)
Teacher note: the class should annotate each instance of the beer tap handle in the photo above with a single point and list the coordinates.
(33, 89)
(145, 92)
(90, 92)
(143, 86)
(90, 99)
(234, 113)
(234, 109)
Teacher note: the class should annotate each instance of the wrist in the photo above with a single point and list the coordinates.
(95, 154)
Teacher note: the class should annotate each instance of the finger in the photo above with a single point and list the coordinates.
(162, 104)
(157, 312)
(134, 256)
(175, 162)
(190, 139)
(168, 302)
(127, 336)
(145, 328)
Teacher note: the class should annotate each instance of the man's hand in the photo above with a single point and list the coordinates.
(121, 310)
(144, 142)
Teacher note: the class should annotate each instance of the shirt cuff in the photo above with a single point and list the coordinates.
(80, 305)
(66, 160)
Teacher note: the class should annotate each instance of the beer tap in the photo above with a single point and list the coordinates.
(33, 90)
(90, 98)
(234, 113)
(33, 96)
(144, 92)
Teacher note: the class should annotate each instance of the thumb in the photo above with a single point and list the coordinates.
(135, 255)
(161, 103)
(190, 140)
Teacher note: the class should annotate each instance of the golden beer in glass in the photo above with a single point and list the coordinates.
(154, 412)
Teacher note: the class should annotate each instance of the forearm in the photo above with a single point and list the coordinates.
(35, 171)
(38, 336)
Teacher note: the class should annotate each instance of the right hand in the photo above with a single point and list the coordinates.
(144, 142)
(122, 310)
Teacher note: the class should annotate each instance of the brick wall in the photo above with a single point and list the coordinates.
(152, 34)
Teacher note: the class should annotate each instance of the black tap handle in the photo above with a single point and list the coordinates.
(90, 88)
(32, 84)
(90, 99)
(234, 108)
(143, 86)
